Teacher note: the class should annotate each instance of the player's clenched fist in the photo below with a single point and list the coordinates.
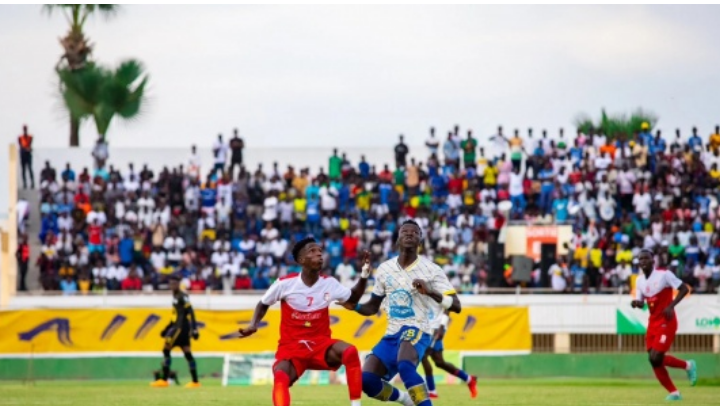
(247, 331)
(421, 286)
(637, 304)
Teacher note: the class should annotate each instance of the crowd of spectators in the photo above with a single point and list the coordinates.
(226, 227)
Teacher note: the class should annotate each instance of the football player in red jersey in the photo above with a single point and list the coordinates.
(655, 287)
(305, 340)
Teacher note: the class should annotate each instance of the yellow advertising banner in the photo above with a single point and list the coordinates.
(138, 330)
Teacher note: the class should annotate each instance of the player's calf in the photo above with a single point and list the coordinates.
(353, 371)
(281, 388)
(414, 383)
(373, 386)
(192, 365)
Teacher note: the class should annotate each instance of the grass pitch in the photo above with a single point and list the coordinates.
(540, 392)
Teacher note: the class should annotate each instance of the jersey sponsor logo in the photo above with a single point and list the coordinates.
(327, 296)
(401, 304)
(306, 316)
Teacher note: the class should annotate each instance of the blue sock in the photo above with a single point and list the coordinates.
(414, 383)
(462, 375)
(430, 381)
(375, 387)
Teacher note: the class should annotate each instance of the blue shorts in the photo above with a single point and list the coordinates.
(437, 345)
(387, 349)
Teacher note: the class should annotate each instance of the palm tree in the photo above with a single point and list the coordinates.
(77, 48)
(102, 94)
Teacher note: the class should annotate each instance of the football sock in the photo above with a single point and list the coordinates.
(430, 381)
(462, 375)
(375, 387)
(672, 362)
(353, 371)
(192, 365)
(281, 389)
(414, 383)
(662, 375)
(166, 364)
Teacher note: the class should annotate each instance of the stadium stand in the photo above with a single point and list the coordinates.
(226, 227)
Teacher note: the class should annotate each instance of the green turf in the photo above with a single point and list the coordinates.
(538, 392)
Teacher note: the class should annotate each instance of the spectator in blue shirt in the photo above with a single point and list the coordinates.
(560, 208)
(547, 188)
(68, 285)
(364, 168)
(126, 250)
(335, 250)
(695, 142)
(68, 174)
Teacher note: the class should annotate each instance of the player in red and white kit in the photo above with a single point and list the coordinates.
(305, 341)
(655, 287)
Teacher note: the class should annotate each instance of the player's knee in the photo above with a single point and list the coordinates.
(371, 384)
(407, 370)
(281, 377)
(350, 356)
(656, 359)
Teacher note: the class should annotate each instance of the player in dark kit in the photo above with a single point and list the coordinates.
(178, 333)
(655, 287)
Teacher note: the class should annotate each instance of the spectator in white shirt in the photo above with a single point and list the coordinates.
(270, 206)
(642, 203)
(220, 258)
(219, 154)
(64, 221)
(146, 206)
(158, 259)
(703, 274)
(345, 272)
(94, 214)
(558, 276)
(174, 245)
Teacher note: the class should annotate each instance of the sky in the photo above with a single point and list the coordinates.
(361, 75)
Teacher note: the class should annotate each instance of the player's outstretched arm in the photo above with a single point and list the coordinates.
(370, 307)
(260, 311)
(360, 287)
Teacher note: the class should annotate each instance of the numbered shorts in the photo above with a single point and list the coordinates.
(306, 354)
(660, 337)
(388, 348)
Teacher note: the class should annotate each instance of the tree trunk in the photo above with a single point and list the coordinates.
(74, 132)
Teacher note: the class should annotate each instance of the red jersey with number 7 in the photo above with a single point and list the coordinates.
(305, 309)
(657, 291)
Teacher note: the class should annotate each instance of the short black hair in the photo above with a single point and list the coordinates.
(412, 222)
(300, 245)
(175, 278)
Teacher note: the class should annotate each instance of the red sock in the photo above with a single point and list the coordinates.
(353, 371)
(672, 362)
(662, 375)
(281, 389)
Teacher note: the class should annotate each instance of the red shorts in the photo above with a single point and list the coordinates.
(659, 337)
(306, 354)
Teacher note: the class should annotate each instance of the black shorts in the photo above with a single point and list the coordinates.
(180, 338)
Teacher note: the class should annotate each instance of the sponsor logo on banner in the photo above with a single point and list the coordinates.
(708, 323)
(138, 330)
(693, 318)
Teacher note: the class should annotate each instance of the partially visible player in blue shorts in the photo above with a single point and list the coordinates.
(435, 352)
(411, 289)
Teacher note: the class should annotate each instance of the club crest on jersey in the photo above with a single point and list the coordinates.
(327, 296)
